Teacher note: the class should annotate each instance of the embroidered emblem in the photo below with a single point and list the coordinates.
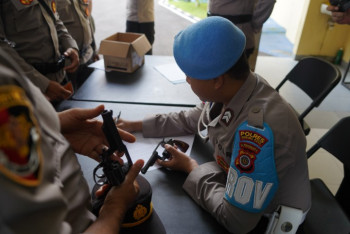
(26, 2)
(227, 116)
(140, 212)
(53, 6)
(252, 136)
(20, 156)
(222, 163)
(87, 11)
(245, 161)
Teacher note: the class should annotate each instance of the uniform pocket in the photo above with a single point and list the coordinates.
(22, 12)
(64, 9)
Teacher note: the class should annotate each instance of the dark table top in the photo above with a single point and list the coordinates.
(145, 86)
(178, 212)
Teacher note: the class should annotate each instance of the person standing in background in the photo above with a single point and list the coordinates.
(140, 18)
(76, 16)
(32, 33)
(249, 16)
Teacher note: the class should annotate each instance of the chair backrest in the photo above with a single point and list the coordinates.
(336, 141)
(316, 77)
(329, 214)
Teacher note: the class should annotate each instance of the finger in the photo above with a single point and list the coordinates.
(92, 113)
(116, 157)
(95, 155)
(171, 149)
(101, 190)
(134, 171)
(164, 163)
(65, 93)
(126, 136)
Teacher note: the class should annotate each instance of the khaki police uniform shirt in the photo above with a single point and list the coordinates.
(42, 189)
(37, 37)
(76, 17)
(141, 11)
(259, 9)
(206, 184)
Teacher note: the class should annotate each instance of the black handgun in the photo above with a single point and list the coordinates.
(113, 172)
(183, 146)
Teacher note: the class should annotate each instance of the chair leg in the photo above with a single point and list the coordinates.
(343, 193)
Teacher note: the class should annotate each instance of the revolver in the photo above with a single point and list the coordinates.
(113, 172)
(183, 146)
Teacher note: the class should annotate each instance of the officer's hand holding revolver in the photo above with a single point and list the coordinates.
(178, 161)
(84, 132)
(73, 55)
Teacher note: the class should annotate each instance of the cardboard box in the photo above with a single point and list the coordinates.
(124, 52)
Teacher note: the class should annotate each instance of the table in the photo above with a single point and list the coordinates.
(178, 212)
(145, 86)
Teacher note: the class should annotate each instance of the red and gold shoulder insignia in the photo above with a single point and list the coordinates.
(20, 154)
(53, 6)
(26, 2)
(222, 163)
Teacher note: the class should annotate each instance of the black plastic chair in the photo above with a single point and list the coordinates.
(328, 213)
(316, 77)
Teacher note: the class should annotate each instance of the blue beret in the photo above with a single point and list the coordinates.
(208, 48)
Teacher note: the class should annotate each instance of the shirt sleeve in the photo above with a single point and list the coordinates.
(172, 124)
(262, 12)
(206, 186)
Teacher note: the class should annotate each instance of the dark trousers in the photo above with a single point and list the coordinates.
(145, 28)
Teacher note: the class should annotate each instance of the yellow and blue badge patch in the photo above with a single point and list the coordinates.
(20, 154)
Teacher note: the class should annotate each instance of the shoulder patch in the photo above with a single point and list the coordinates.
(252, 178)
(20, 155)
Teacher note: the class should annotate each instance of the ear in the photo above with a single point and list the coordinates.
(219, 82)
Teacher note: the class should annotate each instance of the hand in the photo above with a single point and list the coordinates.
(73, 55)
(130, 126)
(179, 161)
(56, 92)
(117, 202)
(84, 132)
(95, 57)
(338, 16)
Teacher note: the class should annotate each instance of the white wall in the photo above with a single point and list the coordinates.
(290, 14)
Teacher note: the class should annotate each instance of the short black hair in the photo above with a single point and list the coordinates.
(240, 70)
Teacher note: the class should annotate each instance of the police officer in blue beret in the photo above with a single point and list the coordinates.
(259, 169)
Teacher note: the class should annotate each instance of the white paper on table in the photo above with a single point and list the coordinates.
(172, 72)
(144, 147)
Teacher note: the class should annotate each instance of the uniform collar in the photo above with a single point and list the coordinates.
(236, 104)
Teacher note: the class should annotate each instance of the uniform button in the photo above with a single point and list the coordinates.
(256, 110)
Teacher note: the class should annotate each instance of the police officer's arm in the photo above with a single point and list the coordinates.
(262, 12)
(117, 203)
(206, 185)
